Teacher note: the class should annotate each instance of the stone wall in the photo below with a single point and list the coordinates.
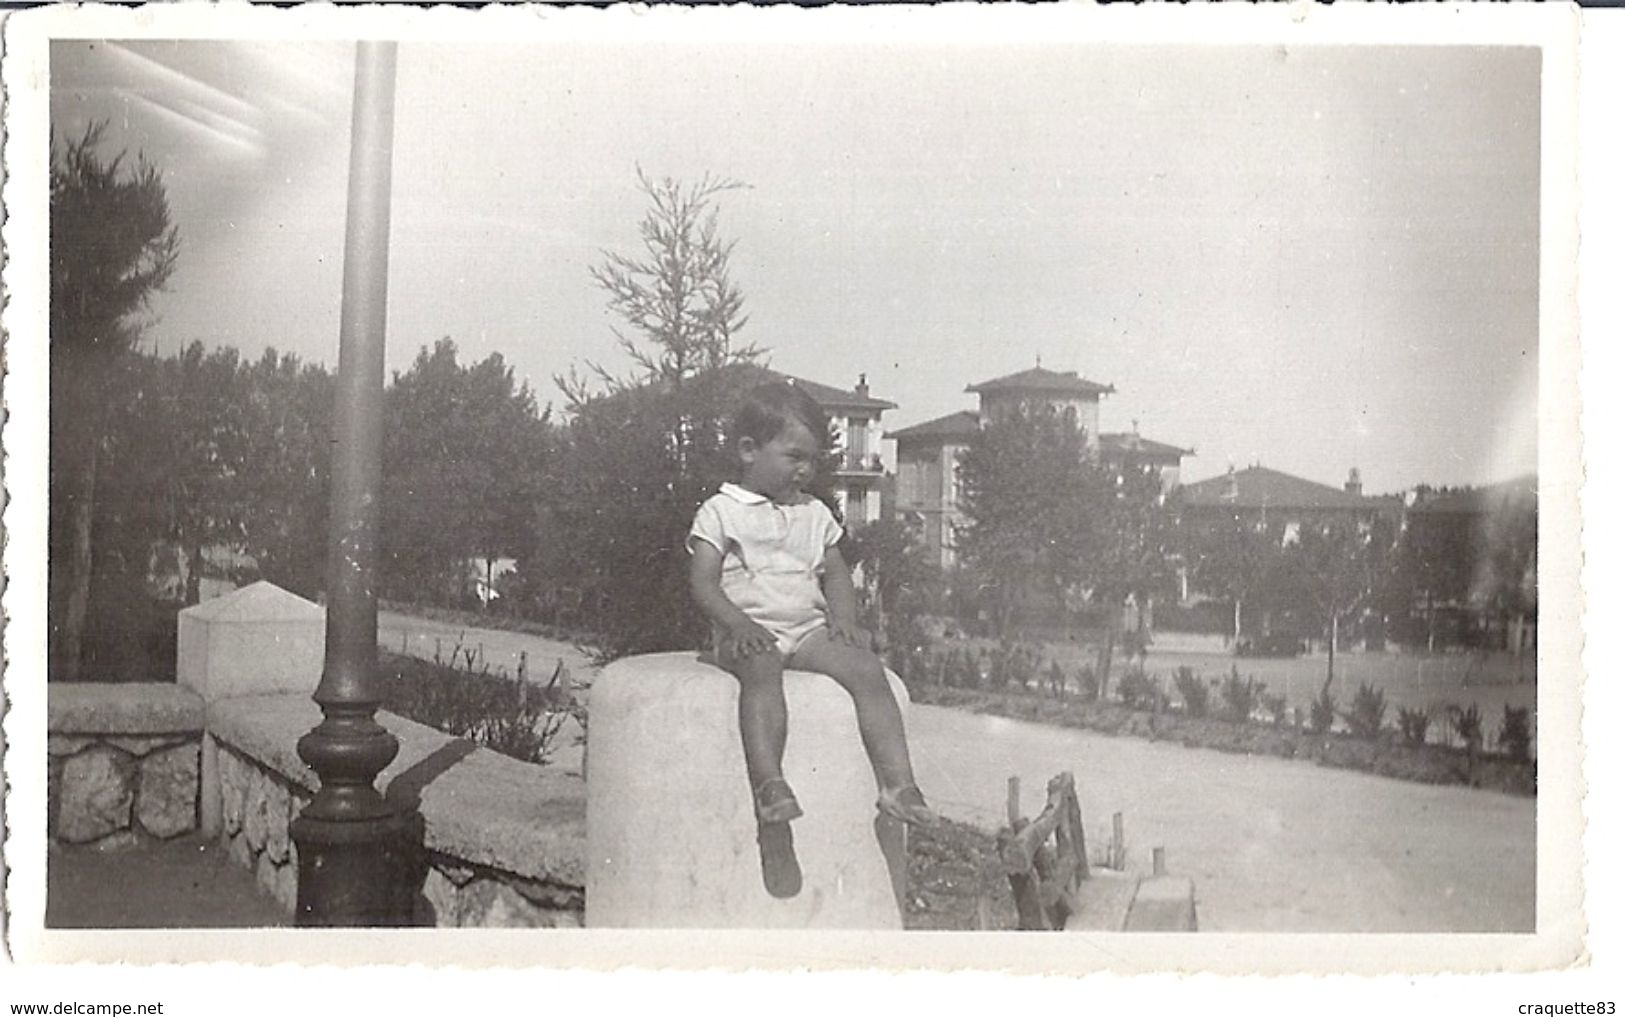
(257, 804)
(503, 840)
(123, 764)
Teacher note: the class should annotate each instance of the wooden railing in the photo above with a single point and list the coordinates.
(1046, 877)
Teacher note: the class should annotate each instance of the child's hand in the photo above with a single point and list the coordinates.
(851, 634)
(748, 640)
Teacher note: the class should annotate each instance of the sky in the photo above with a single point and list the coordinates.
(1312, 258)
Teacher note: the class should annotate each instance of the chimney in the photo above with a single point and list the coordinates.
(1353, 485)
(863, 386)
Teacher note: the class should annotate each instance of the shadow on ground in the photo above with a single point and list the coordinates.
(187, 883)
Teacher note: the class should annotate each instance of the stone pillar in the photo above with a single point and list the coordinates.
(671, 833)
(258, 640)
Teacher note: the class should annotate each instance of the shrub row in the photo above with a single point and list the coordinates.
(509, 715)
(1430, 763)
(1244, 716)
(1017, 667)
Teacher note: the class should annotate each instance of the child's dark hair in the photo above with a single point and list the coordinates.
(770, 407)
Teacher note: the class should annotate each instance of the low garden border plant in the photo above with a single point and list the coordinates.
(1413, 725)
(1192, 691)
(1365, 715)
(1243, 717)
(1515, 737)
(510, 715)
(1243, 697)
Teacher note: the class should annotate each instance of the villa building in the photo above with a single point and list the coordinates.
(860, 476)
(1062, 391)
(927, 477)
(856, 416)
(928, 453)
(1283, 504)
(1275, 498)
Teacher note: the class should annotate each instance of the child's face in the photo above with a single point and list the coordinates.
(781, 468)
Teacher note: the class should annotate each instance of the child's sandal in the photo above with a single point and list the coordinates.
(775, 802)
(907, 804)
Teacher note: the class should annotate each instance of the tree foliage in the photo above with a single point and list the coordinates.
(207, 451)
(465, 454)
(218, 465)
(1239, 558)
(895, 567)
(1511, 552)
(622, 495)
(112, 246)
(1335, 567)
(677, 297)
(1044, 513)
(1025, 491)
(1434, 564)
(1134, 539)
(289, 413)
(1132, 548)
(204, 496)
(640, 452)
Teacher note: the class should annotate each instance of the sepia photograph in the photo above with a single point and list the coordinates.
(844, 473)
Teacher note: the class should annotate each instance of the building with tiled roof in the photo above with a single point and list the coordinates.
(962, 424)
(856, 415)
(928, 452)
(1280, 504)
(1130, 443)
(927, 476)
(1038, 379)
(1277, 501)
(1261, 489)
(1273, 498)
(1062, 391)
(1120, 449)
(833, 399)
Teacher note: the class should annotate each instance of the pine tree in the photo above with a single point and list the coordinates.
(112, 247)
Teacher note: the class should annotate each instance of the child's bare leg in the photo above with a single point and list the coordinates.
(762, 727)
(880, 721)
(763, 720)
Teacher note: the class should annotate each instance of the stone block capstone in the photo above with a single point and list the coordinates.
(257, 640)
(671, 832)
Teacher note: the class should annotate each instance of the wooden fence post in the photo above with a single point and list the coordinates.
(1045, 879)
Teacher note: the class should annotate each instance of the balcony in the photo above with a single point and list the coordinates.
(854, 464)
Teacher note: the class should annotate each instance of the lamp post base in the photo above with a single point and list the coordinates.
(359, 873)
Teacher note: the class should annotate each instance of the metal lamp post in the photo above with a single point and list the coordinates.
(355, 849)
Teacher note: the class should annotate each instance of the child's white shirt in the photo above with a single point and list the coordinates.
(772, 558)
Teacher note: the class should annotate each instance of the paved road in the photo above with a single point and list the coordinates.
(495, 648)
(1274, 845)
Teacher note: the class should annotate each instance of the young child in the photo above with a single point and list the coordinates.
(765, 569)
